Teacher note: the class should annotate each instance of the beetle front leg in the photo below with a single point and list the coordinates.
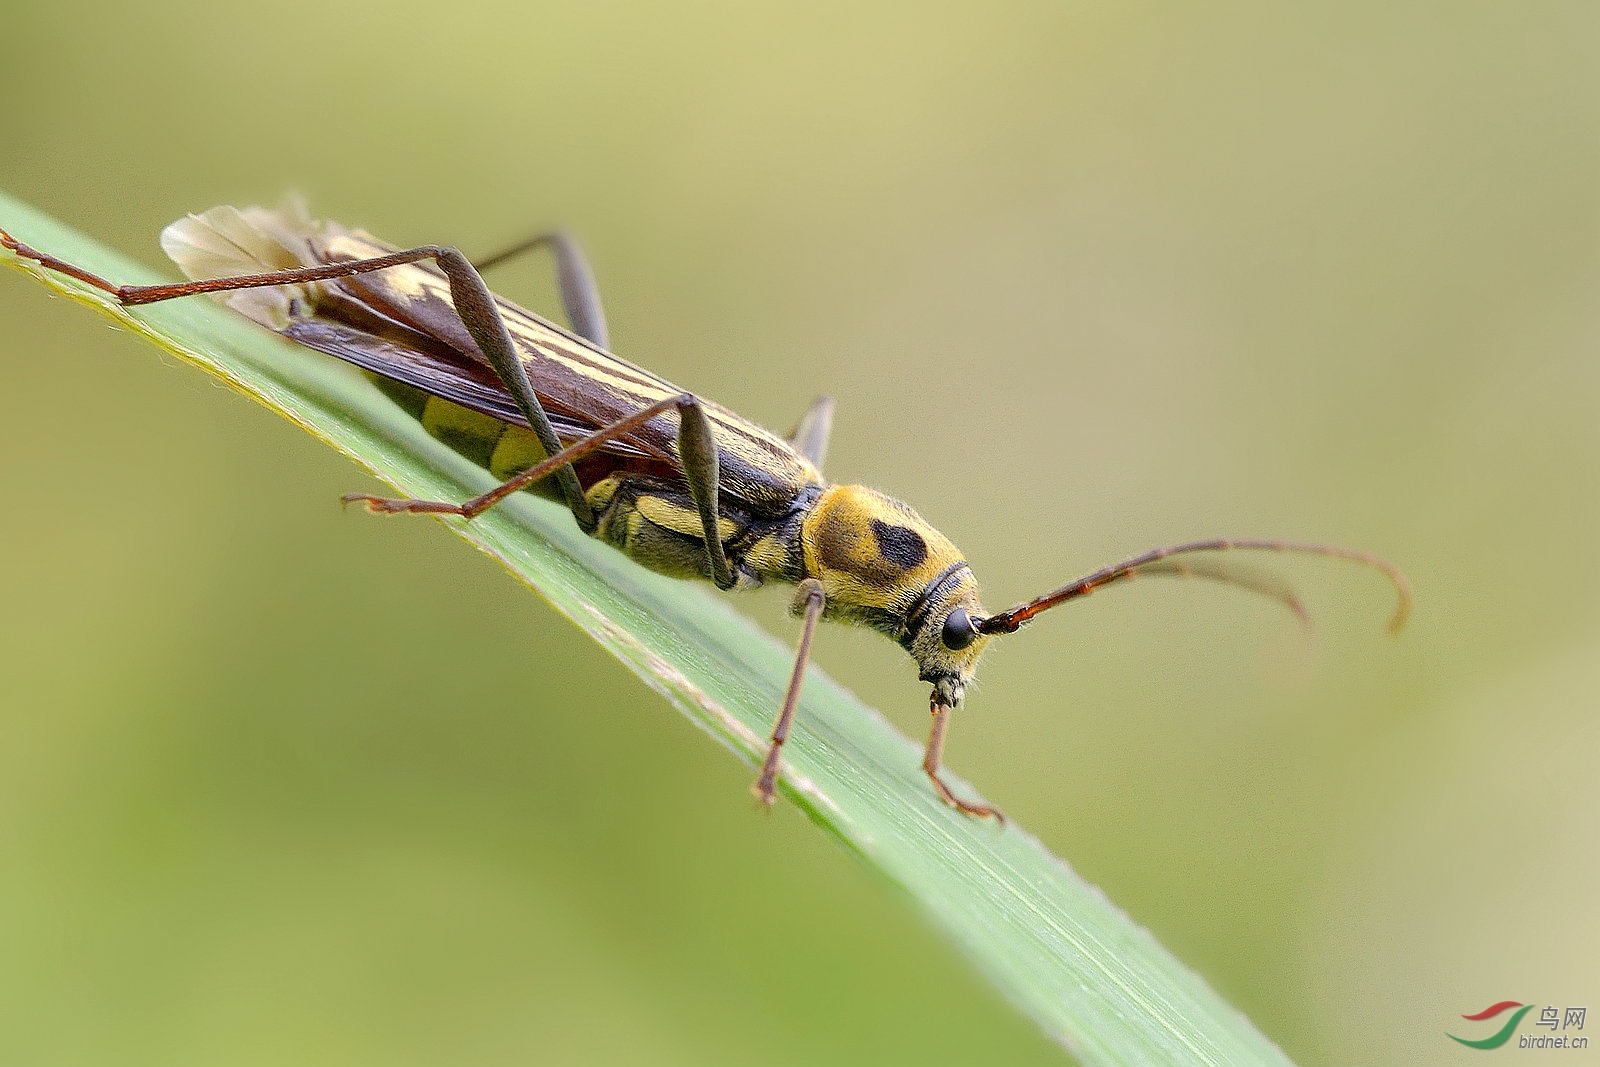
(931, 762)
(810, 599)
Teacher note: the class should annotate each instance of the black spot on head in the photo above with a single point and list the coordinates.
(898, 545)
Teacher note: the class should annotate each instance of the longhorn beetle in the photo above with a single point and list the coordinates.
(681, 485)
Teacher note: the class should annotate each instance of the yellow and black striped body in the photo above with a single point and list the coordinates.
(880, 564)
(650, 518)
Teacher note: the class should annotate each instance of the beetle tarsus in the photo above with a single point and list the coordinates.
(379, 505)
(765, 789)
(980, 811)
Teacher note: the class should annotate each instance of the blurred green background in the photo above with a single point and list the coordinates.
(281, 784)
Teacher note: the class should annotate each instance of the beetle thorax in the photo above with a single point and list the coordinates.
(882, 565)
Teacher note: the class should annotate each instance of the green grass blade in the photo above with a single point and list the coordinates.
(1095, 981)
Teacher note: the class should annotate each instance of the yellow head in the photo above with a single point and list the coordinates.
(881, 565)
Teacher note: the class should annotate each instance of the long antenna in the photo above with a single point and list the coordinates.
(1159, 561)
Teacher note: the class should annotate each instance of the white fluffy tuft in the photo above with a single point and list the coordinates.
(226, 241)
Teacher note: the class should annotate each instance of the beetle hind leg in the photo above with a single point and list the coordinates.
(580, 295)
(697, 448)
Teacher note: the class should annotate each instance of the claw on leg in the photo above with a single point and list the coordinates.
(765, 788)
(980, 811)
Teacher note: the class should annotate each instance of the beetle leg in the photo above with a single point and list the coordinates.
(810, 598)
(468, 509)
(810, 434)
(580, 296)
(481, 316)
(931, 760)
(473, 301)
(697, 450)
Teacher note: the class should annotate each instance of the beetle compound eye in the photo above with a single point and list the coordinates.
(958, 631)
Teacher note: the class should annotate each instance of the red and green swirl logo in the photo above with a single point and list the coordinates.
(1500, 1037)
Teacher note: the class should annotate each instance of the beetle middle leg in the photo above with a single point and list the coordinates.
(696, 447)
(476, 306)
